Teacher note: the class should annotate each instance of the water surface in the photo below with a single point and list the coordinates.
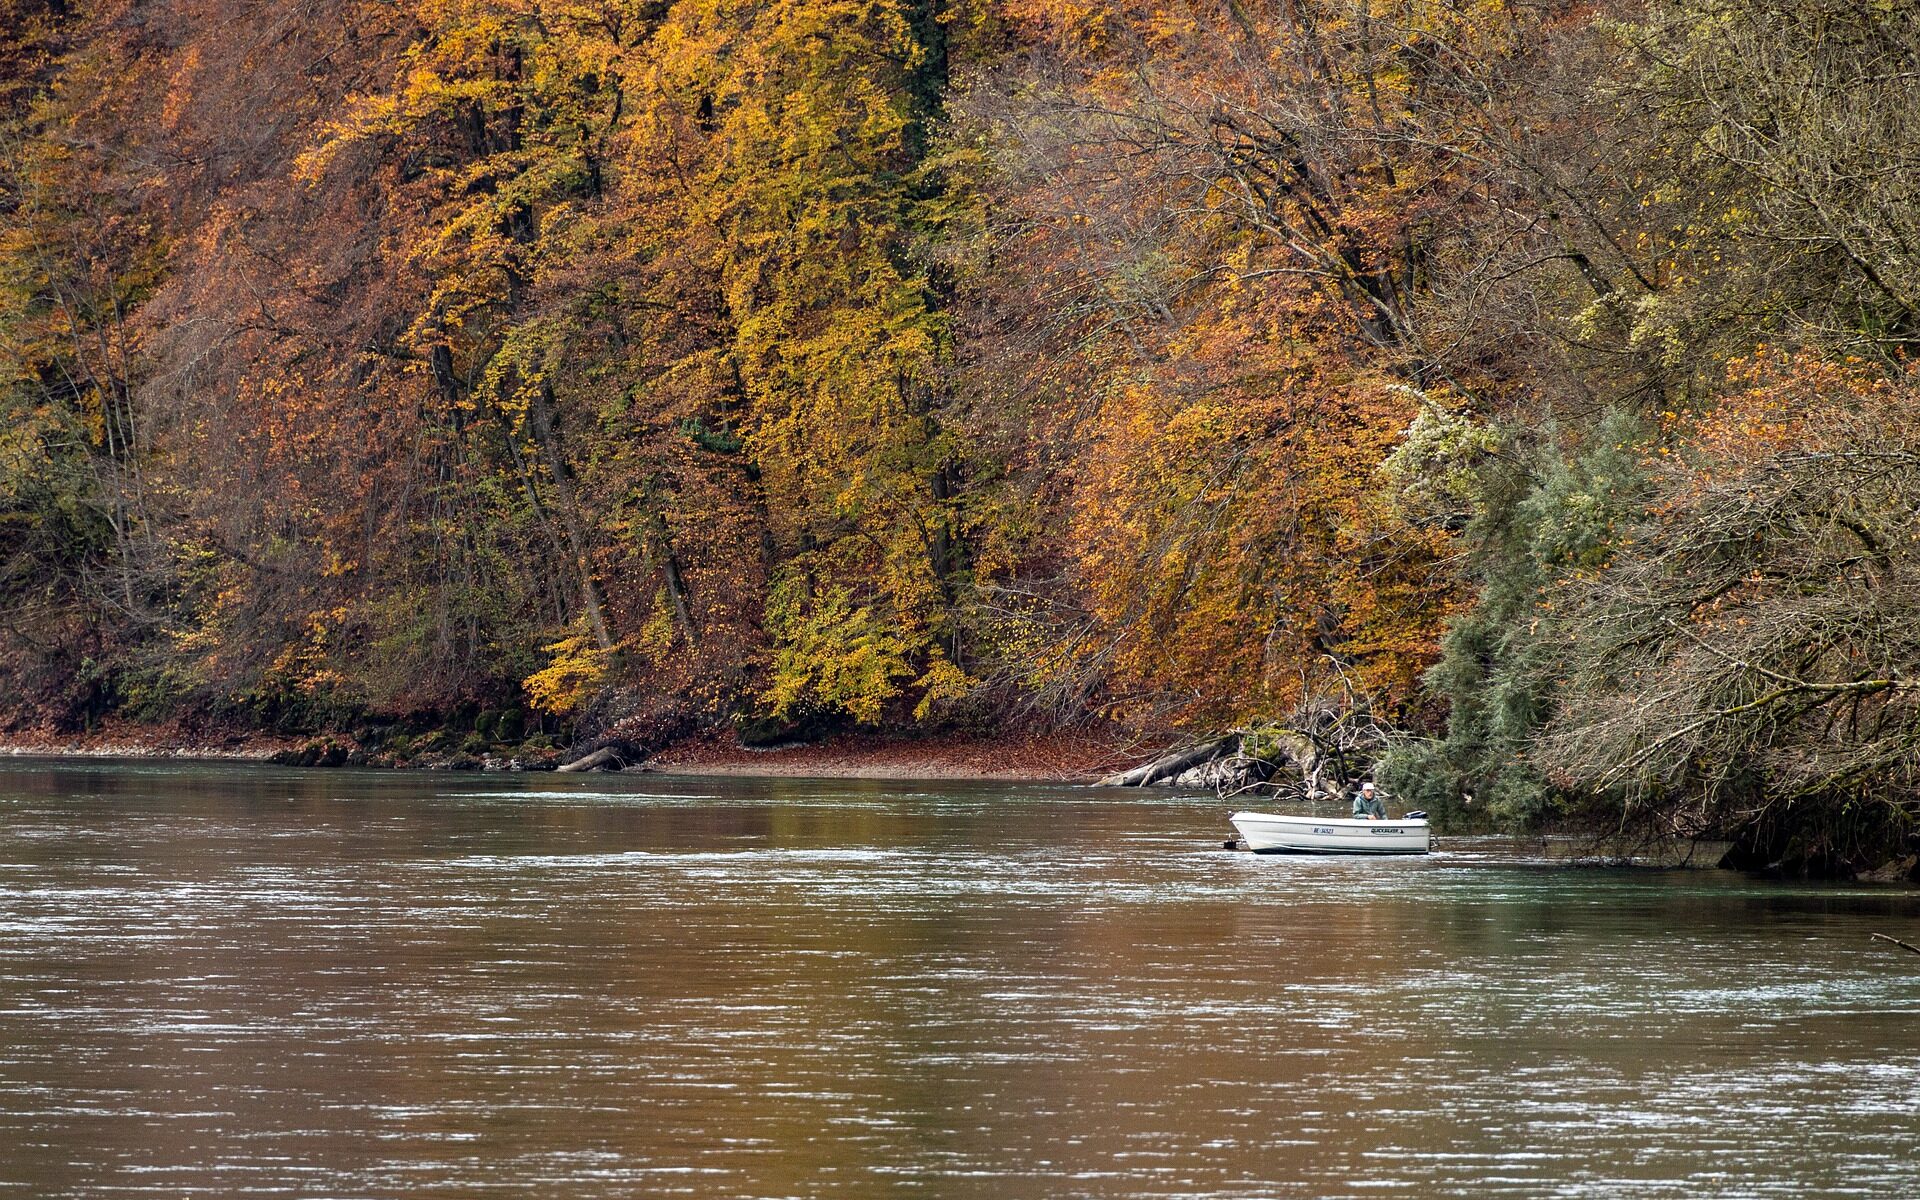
(244, 981)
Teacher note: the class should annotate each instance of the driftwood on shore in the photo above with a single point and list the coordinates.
(602, 759)
(617, 756)
(1166, 768)
(1317, 754)
(1274, 761)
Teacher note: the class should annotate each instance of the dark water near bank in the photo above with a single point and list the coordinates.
(242, 981)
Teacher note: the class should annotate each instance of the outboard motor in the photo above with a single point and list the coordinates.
(1415, 815)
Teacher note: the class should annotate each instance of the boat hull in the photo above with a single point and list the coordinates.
(1270, 833)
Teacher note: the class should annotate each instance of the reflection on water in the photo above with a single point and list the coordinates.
(233, 980)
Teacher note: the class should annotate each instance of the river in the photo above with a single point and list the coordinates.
(238, 980)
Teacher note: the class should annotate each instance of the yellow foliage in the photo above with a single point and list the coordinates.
(942, 681)
(831, 653)
(575, 672)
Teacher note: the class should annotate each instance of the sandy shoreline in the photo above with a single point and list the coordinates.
(1045, 759)
(804, 762)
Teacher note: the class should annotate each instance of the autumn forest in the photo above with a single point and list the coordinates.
(1533, 378)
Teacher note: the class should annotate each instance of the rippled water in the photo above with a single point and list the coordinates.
(242, 981)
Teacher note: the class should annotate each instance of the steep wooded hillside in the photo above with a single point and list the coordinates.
(1531, 377)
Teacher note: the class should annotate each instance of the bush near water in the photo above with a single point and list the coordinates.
(1539, 375)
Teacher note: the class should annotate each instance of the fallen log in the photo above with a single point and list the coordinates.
(606, 758)
(1166, 767)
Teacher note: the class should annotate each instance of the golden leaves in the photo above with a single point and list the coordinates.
(576, 670)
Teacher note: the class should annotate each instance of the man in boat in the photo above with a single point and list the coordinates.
(1367, 806)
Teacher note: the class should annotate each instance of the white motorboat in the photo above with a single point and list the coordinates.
(1270, 833)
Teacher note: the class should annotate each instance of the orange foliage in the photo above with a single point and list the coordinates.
(1240, 199)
